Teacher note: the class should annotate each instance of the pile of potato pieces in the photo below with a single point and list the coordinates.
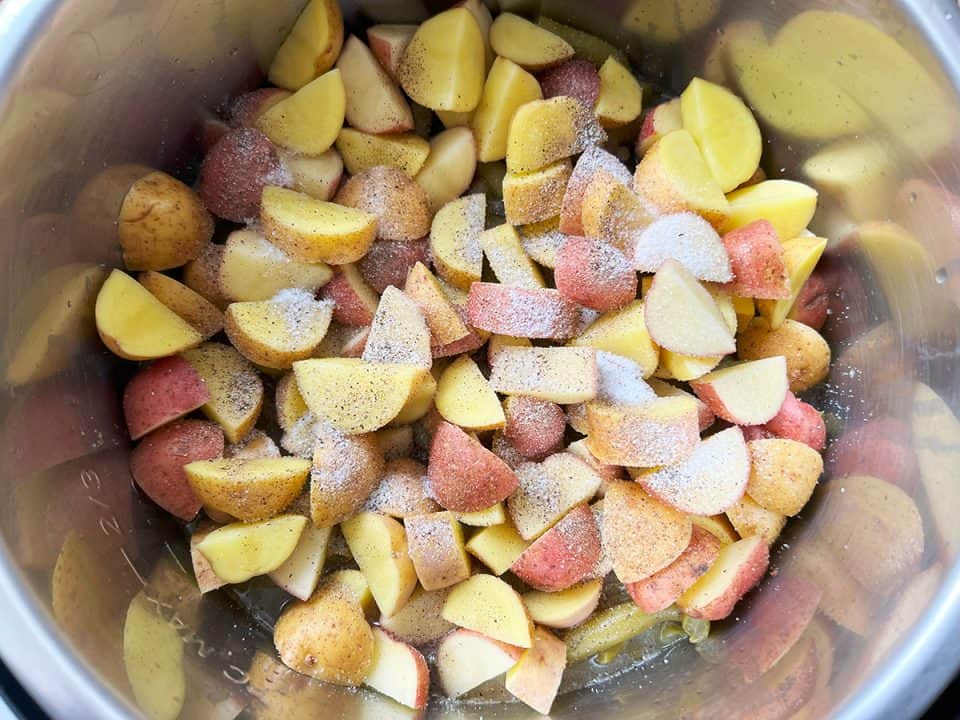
(427, 380)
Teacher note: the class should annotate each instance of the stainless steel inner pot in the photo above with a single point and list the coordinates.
(864, 105)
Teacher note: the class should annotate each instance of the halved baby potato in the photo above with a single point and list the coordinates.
(279, 331)
(240, 551)
(249, 490)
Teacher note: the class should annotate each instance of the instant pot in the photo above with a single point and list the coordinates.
(857, 97)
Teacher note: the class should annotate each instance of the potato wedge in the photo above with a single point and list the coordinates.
(401, 206)
(236, 390)
(362, 151)
(783, 474)
(240, 551)
(435, 542)
(800, 256)
(548, 490)
(379, 545)
(545, 131)
(399, 333)
(487, 605)
(419, 621)
(254, 269)
(317, 176)
(202, 315)
(311, 47)
(507, 88)
(346, 471)
(374, 102)
(621, 96)
(454, 240)
(623, 332)
(315, 231)
(277, 332)
(526, 44)
(135, 325)
(153, 659)
(249, 490)
(465, 398)
(537, 196)
(450, 166)
(308, 121)
(560, 375)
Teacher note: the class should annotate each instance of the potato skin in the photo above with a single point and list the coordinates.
(401, 206)
(783, 474)
(327, 638)
(807, 353)
(346, 470)
(162, 224)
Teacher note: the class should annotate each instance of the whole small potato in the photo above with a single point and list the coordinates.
(807, 353)
(162, 224)
(327, 638)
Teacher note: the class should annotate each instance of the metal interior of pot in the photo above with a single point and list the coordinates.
(859, 100)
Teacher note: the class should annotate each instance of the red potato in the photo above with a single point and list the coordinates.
(157, 463)
(388, 262)
(463, 475)
(737, 569)
(248, 107)
(746, 393)
(756, 257)
(564, 555)
(776, 618)
(207, 579)
(522, 312)
(800, 421)
(399, 671)
(400, 204)
(574, 78)
(160, 393)
(662, 119)
(880, 447)
(813, 302)
(210, 131)
(387, 43)
(236, 170)
(534, 427)
(594, 274)
(355, 301)
(592, 160)
(464, 345)
(660, 590)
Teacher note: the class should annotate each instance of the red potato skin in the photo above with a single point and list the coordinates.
(756, 257)
(592, 161)
(160, 393)
(466, 344)
(535, 427)
(654, 127)
(747, 576)
(776, 618)
(812, 302)
(387, 262)
(210, 131)
(660, 590)
(880, 447)
(564, 555)
(350, 308)
(248, 107)
(594, 274)
(757, 432)
(575, 78)
(800, 421)
(236, 170)
(157, 463)
(462, 475)
(386, 51)
(521, 312)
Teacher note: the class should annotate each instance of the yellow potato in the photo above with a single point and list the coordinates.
(308, 121)
(451, 119)
(561, 375)
(349, 392)
(445, 322)
(623, 332)
(135, 325)
(454, 242)
(536, 196)
(530, 46)
(240, 551)
(300, 573)
(725, 131)
(507, 88)
(621, 98)
(252, 268)
(202, 315)
(507, 258)
(565, 608)
(783, 474)
(379, 545)
(661, 432)
(449, 168)
(399, 333)
(488, 517)
(419, 621)
(317, 176)
(465, 398)
(420, 401)
(484, 18)
(548, 490)
(717, 525)
(248, 490)
(787, 204)
(545, 131)
(800, 255)
(351, 584)
(162, 224)
(487, 605)
(374, 102)
(444, 63)
(315, 231)
(327, 638)
(612, 212)
(311, 47)
(435, 544)
(275, 333)
(346, 470)
(586, 46)
(200, 275)
(153, 659)
(497, 547)
(362, 151)
(51, 322)
(685, 367)
(807, 353)
(674, 177)
(236, 391)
